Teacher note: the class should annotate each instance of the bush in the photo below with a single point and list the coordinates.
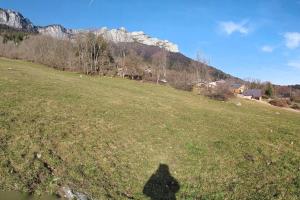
(221, 93)
(265, 97)
(279, 102)
(181, 80)
(269, 89)
(295, 106)
(295, 99)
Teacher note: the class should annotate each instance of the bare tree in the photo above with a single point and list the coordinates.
(254, 83)
(201, 68)
(93, 53)
(159, 62)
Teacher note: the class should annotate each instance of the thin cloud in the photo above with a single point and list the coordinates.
(91, 2)
(230, 27)
(294, 64)
(292, 40)
(267, 49)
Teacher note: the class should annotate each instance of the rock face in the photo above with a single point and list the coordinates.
(16, 20)
(121, 35)
(57, 31)
(114, 35)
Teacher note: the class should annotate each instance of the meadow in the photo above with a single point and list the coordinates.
(105, 137)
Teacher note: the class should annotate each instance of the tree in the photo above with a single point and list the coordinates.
(93, 53)
(122, 53)
(132, 64)
(201, 68)
(269, 89)
(159, 62)
(254, 83)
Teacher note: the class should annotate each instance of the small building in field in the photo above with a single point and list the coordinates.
(200, 83)
(253, 94)
(238, 88)
(216, 83)
(130, 73)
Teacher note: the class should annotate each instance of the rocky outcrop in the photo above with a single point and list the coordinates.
(16, 20)
(57, 31)
(122, 35)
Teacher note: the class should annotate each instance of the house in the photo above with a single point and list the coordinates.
(237, 88)
(130, 73)
(253, 94)
(200, 83)
(216, 83)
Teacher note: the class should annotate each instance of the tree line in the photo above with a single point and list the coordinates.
(92, 55)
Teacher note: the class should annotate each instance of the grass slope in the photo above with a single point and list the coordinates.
(106, 136)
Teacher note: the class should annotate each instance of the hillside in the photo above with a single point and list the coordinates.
(176, 61)
(105, 137)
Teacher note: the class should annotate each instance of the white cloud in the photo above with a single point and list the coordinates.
(267, 48)
(230, 27)
(294, 63)
(292, 39)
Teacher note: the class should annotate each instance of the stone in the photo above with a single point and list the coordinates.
(67, 193)
(39, 155)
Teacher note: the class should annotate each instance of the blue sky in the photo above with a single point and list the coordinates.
(249, 39)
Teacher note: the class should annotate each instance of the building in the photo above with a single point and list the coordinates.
(238, 88)
(253, 94)
(216, 83)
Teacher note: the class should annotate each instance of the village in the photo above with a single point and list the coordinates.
(224, 89)
(261, 92)
(238, 89)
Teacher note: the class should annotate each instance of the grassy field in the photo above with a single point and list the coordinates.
(105, 137)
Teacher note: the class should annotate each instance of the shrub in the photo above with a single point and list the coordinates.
(295, 99)
(279, 102)
(269, 89)
(265, 97)
(221, 93)
(181, 80)
(295, 106)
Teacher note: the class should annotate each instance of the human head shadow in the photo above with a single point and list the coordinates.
(161, 185)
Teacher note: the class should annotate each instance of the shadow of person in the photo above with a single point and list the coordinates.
(161, 185)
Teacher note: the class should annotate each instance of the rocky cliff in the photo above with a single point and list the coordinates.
(16, 20)
(122, 35)
(57, 31)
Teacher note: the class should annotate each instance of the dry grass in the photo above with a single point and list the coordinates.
(105, 137)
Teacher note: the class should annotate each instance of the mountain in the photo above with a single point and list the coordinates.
(139, 42)
(122, 35)
(18, 21)
(176, 61)
(15, 20)
(55, 30)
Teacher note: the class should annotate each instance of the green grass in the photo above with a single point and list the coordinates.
(106, 136)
